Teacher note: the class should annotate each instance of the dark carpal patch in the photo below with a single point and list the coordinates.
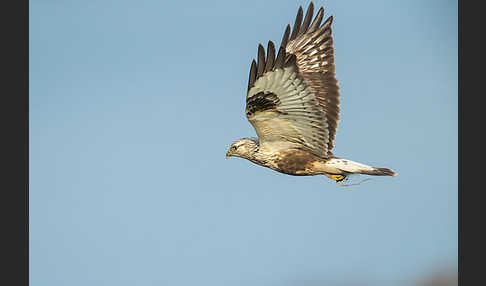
(261, 102)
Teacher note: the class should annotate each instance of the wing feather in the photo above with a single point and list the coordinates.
(261, 60)
(285, 37)
(282, 108)
(317, 20)
(307, 19)
(293, 98)
(280, 61)
(297, 23)
(315, 60)
(252, 77)
(270, 56)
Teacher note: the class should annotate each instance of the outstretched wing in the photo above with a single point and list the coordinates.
(293, 99)
(313, 47)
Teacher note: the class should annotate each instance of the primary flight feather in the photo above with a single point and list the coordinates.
(293, 103)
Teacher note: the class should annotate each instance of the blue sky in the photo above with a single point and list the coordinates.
(134, 103)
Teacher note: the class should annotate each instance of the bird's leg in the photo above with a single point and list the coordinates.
(337, 178)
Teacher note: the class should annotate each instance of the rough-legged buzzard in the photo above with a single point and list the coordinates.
(293, 103)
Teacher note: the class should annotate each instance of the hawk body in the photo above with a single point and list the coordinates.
(293, 103)
(289, 161)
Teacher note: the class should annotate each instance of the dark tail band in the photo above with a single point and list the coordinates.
(381, 172)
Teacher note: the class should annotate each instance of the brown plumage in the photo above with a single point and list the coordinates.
(293, 104)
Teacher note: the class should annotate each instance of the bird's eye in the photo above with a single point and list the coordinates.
(233, 148)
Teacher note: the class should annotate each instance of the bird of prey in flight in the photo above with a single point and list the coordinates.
(293, 103)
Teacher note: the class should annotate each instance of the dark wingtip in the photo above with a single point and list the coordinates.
(252, 76)
(261, 60)
(328, 21)
(297, 23)
(285, 37)
(270, 56)
(317, 20)
(307, 19)
(280, 60)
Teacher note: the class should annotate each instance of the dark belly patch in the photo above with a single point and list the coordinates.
(296, 162)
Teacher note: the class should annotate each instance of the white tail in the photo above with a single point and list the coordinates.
(352, 167)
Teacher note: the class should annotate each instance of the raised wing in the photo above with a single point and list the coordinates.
(313, 47)
(292, 100)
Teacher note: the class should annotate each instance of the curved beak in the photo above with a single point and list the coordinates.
(228, 154)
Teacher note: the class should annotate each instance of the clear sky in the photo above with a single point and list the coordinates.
(133, 105)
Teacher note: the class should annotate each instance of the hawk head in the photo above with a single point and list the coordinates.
(244, 148)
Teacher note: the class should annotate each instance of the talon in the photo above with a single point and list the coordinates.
(338, 178)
